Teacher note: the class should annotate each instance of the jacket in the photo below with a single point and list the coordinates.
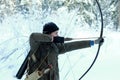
(43, 43)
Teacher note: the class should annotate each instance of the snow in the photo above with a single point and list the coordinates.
(73, 64)
(14, 46)
(106, 66)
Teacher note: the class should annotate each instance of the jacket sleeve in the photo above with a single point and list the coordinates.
(36, 38)
(66, 47)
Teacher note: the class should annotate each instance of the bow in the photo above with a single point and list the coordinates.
(101, 34)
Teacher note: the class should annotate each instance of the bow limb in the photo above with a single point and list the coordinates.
(101, 34)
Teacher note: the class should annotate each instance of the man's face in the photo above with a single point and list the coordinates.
(54, 34)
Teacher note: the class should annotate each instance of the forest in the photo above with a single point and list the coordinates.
(76, 19)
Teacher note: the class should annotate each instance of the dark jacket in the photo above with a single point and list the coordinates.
(43, 43)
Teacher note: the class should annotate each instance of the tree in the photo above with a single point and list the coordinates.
(118, 8)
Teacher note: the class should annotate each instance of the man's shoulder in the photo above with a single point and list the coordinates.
(41, 37)
(36, 33)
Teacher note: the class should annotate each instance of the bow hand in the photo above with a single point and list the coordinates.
(99, 41)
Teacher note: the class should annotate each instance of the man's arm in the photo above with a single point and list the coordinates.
(74, 45)
(79, 45)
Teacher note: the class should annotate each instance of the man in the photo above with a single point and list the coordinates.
(46, 47)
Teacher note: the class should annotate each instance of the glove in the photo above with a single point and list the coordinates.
(99, 40)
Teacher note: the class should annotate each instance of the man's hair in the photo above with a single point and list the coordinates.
(49, 28)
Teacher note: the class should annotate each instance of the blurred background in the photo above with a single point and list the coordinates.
(76, 19)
